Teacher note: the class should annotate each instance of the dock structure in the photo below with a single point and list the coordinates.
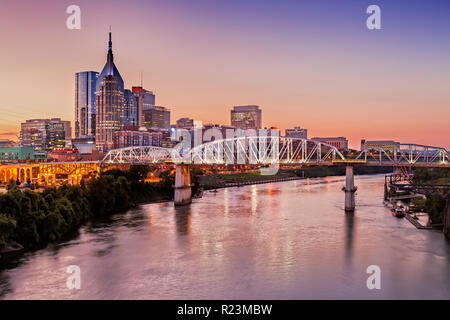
(397, 182)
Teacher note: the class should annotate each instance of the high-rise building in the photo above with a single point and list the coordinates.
(246, 117)
(145, 101)
(45, 134)
(85, 86)
(56, 135)
(109, 103)
(297, 132)
(130, 109)
(33, 134)
(67, 129)
(157, 117)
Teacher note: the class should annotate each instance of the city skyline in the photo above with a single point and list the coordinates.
(329, 86)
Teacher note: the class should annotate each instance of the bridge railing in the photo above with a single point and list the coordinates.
(406, 154)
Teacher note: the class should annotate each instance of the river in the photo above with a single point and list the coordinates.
(287, 240)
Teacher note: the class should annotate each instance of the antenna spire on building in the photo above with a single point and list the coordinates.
(110, 40)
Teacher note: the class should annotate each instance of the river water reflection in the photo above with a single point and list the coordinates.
(288, 240)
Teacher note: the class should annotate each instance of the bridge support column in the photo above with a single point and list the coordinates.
(447, 219)
(386, 189)
(349, 189)
(183, 191)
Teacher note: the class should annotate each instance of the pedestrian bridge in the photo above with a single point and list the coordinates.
(281, 150)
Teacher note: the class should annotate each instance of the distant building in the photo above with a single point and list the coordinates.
(340, 143)
(16, 154)
(185, 123)
(224, 130)
(63, 155)
(133, 136)
(145, 100)
(33, 133)
(67, 129)
(44, 134)
(84, 145)
(56, 135)
(157, 117)
(297, 132)
(85, 86)
(246, 117)
(130, 110)
(389, 145)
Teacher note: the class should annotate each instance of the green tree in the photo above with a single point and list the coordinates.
(7, 226)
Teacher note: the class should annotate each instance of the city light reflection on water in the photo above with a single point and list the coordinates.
(286, 240)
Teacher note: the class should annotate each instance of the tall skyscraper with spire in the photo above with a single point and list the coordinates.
(109, 69)
(109, 103)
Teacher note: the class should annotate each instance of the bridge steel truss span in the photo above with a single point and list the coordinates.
(281, 150)
(238, 150)
(140, 155)
(406, 155)
(262, 150)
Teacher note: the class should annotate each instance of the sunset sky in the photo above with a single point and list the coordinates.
(309, 63)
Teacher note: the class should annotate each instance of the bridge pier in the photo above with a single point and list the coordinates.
(447, 219)
(349, 189)
(183, 191)
(386, 189)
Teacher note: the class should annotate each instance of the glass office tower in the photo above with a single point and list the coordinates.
(130, 110)
(85, 86)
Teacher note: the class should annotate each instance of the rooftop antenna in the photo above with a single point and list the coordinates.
(110, 41)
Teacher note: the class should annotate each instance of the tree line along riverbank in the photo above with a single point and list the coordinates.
(32, 219)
